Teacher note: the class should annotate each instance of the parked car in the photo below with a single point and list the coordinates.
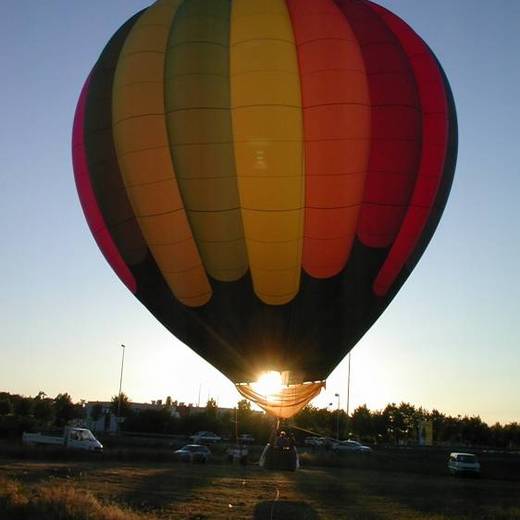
(246, 438)
(193, 453)
(351, 446)
(463, 464)
(205, 438)
(319, 442)
(312, 441)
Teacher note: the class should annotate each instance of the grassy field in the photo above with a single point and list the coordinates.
(106, 490)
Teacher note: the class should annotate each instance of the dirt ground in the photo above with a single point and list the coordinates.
(183, 491)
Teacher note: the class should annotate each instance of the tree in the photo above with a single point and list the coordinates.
(244, 407)
(474, 431)
(361, 422)
(23, 406)
(5, 407)
(411, 417)
(152, 421)
(379, 427)
(43, 410)
(96, 412)
(120, 405)
(244, 417)
(211, 408)
(512, 435)
(63, 409)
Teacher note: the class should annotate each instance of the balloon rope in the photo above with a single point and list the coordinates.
(294, 427)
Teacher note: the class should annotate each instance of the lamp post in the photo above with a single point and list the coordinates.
(120, 387)
(337, 418)
(348, 392)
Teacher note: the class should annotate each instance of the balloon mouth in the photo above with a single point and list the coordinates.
(274, 393)
(269, 383)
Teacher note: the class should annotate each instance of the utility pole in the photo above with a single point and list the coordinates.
(120, 388)
(348, 392)
(236, 424)
(337, 418)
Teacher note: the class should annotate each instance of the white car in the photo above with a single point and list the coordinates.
(351, 446)
(193, 453)
(463, 463)
(205, 438)
(319, 442)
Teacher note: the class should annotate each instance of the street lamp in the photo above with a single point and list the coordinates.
(337, 418)
(120, 385)
(348, 395)
(348, 384)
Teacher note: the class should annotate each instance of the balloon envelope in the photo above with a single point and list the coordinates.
(263, 175)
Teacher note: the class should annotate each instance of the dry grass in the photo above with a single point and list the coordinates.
(112, 491)
(53, 501)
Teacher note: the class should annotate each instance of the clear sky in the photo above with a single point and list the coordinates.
(449, 340)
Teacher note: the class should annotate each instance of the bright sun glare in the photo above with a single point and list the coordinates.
(269, 383)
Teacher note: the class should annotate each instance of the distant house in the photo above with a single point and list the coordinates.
(100, 418)
(189, 409)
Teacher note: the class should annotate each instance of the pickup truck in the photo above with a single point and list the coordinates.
(76, 438)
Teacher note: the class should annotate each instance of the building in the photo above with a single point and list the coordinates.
(100, 418)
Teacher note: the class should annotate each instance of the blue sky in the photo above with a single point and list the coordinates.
(449, 340)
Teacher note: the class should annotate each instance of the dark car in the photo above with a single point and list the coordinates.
(193, 453)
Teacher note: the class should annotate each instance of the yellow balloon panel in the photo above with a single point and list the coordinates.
(158, 198)
(273, 255)
(256, 123)
(152, 32)
(167, 229)
(271, 193)
(261, 158)
(145, 165)
(140, 132)
(273, 226)
(134, 98)
(135, 68)
(279, 285)
(278, 88)
(268, 134)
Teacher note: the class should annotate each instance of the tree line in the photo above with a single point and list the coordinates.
(399, 424)
(19, 413)
(396, 424)
(160, 419)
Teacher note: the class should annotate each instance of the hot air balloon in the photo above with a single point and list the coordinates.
(263, 175)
